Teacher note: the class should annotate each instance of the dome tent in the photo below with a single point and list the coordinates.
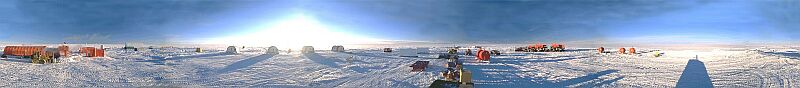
(231, 49)
(272, 50)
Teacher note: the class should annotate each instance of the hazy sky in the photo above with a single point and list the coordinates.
(166, 21)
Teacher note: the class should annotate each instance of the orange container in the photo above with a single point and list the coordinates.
(92, 52)
(63, 51)
(23, 50)
(483, 55)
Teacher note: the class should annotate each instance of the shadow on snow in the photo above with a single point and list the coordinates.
(694, 76)
(244, 63)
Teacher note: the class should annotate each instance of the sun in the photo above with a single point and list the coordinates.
(295, 32)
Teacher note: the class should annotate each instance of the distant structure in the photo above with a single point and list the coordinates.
(337, 48)
(127, 47)
(273, 50)
(307, 49)
(231, 49)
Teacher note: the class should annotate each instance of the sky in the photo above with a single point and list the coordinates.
(364, 21)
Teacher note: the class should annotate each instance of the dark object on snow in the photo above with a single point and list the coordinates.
(419, 66)
(495, 52)
(444, 84)
(468, 53)
(450, 84)
(387, 49)
(600, 50)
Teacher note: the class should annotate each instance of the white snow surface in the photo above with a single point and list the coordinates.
(372, 68)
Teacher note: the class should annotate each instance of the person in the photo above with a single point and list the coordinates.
(469, 52)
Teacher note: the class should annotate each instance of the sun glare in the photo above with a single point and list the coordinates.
(295, 32)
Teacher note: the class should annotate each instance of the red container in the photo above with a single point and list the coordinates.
(23, 50)
(92, 52)
(483, 55)
(63, 51)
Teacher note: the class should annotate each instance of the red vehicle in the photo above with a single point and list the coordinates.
(621, 50)
(632, 51)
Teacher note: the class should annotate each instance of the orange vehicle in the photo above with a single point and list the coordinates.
(632, 51)
(92, 52)
(621, 50)
(22, 50)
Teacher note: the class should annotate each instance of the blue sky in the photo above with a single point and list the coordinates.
(171, 21)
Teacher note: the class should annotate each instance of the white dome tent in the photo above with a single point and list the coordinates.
(307, 49)
(272, 50)
(337, 48)
(231, 49)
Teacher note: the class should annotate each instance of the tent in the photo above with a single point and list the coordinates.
(272, 50)
(307, 49)
(231, 49)
(337, 48)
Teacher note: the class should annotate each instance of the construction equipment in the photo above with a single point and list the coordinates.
(621, 51)
(632, 51)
